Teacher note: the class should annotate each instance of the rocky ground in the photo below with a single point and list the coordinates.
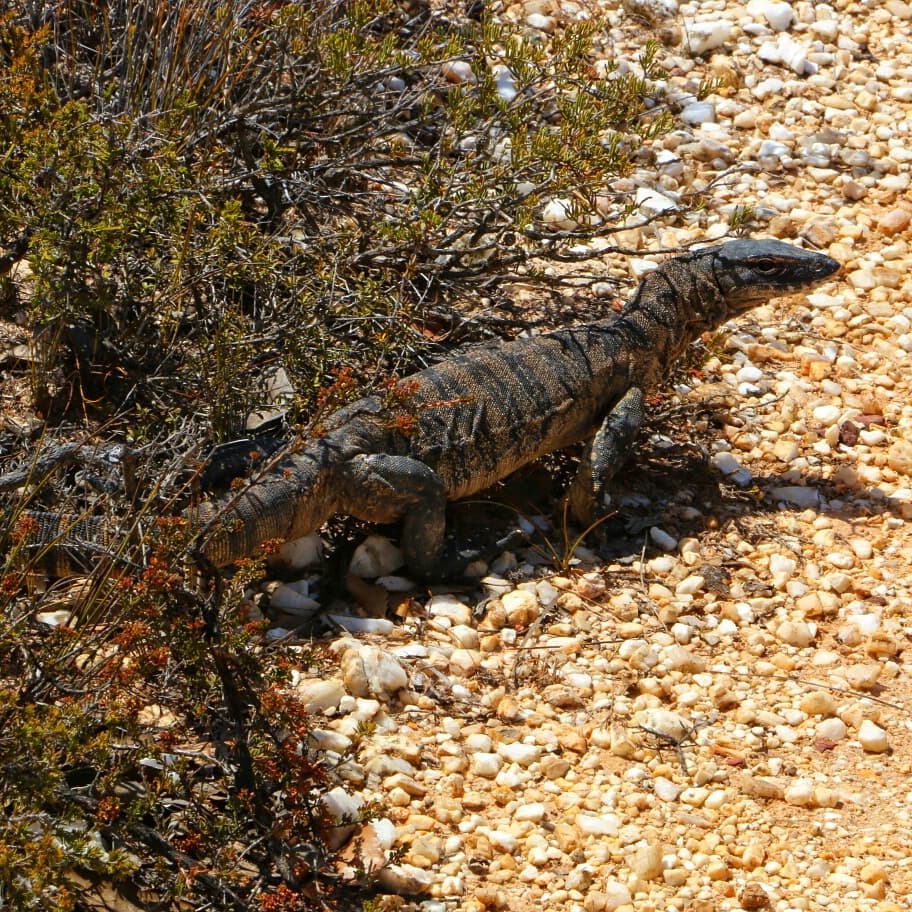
(720, 718)
(716, 717)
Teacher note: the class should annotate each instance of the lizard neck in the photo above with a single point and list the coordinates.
(670, 309)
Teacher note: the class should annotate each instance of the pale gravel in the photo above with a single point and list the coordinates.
(636, 737)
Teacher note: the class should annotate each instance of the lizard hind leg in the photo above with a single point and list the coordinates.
(383, 488)
(604, 455)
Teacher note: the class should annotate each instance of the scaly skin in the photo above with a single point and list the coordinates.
(476, 417)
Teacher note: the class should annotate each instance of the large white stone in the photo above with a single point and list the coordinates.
(603, 825)
(699, 112)
(505, 82)
(361, 626)
(486, 765)
(728, 465)
(797, 495)
(343, 808)
(558, 214)
(449, 607)
(616, 894)
(663, 722)
(789, 53)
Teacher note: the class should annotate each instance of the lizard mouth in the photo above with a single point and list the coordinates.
(817, 272)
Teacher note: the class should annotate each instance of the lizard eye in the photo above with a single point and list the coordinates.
(765, 265)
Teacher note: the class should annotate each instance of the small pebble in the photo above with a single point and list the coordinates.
(862, 548)
(894, 221)
(779, 15)
(666, 789)
(662, 539)
(652, 203)
(521, 606)
(899, 457)
(368, 671)
(701, 37)
(699, 112)
(534, 812)
(542, 23)
(375, 556)
(647, 862)
(863, 676)
(505, 81)
(317, 695)
(873, 738)
(818, 703)
(795, 633)
(298, 553)
(604, 825)
(520, 753)
(59, 618)
(404, 879)
(800, 792)
(616, 895)
(446, 606)
(285, 597)
(486, 765)
(458, 71)
(832, 729)
(728, 465)
(664, 723)
(797, 495)
(558, 213)
(827, 414)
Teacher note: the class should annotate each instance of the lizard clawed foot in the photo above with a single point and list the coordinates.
(458, 555)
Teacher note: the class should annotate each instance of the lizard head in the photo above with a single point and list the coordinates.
(748, 271)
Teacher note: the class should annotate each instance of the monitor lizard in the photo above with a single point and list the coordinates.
(458, 427)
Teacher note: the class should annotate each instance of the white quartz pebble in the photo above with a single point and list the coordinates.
(701, 37)
(872, 737)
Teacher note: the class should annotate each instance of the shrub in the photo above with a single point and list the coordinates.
(234, 183)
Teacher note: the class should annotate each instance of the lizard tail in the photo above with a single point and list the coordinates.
(286, 503)
(59, 544)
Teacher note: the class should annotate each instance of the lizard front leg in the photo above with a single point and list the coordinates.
(604, 455)
(382, 488)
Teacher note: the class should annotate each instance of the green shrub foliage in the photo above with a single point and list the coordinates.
(203, 186)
